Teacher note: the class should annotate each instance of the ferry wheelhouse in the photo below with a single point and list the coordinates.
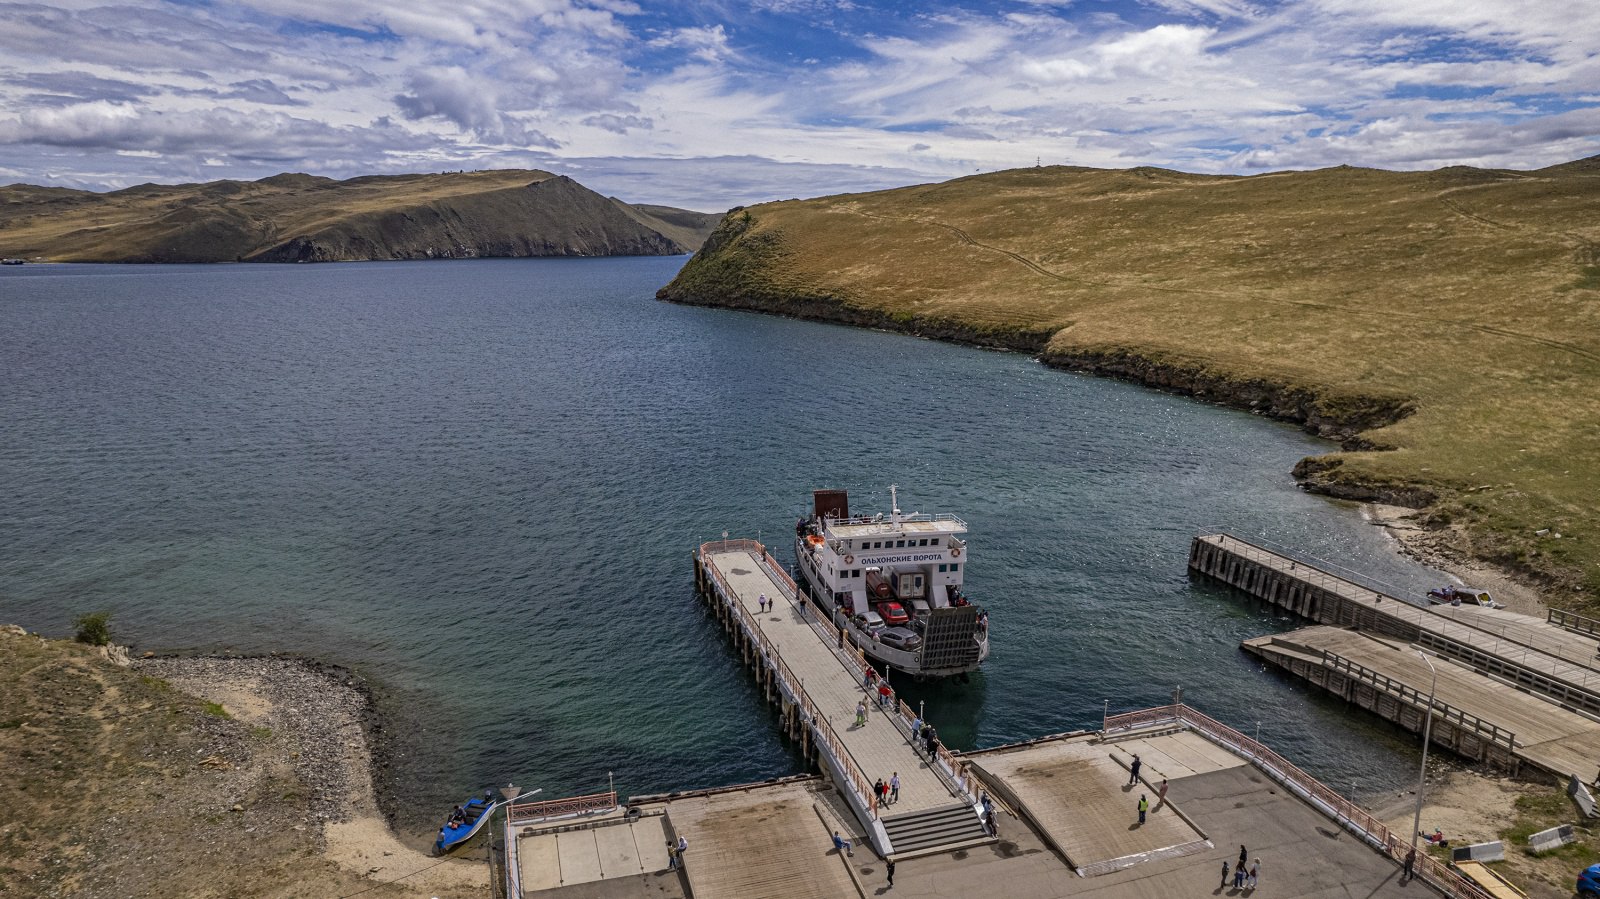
(893, 582)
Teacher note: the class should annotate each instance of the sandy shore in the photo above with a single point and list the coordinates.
(1434, 550)
(315, 714)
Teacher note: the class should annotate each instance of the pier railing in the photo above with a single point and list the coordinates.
(523, 812)
(948, 767)
(821, 728)
(1448, 627)
(1358, 820)
(1417, 699)
(1578, 624)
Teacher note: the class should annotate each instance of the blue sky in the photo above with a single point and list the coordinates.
(710, 105)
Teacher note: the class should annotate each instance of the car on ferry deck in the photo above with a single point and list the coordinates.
(893, 613)
(871, 622)
(900, 638)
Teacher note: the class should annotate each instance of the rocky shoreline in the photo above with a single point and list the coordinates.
(322, 716)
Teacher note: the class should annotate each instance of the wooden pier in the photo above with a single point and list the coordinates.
(815, 679)
(1476, 717)
(1553, 661)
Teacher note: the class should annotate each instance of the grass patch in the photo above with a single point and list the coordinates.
(1543, 809)
(215, 709)
(261, 733)
(1588, 279)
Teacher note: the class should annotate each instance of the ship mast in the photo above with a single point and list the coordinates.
(894, 505)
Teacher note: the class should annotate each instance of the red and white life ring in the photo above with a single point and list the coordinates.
(849, 560)
(955, 552)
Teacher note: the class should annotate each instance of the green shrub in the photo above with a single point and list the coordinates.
(94, 628)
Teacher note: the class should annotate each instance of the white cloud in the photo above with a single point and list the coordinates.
(611, 90)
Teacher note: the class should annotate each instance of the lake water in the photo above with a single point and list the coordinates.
(479, 485)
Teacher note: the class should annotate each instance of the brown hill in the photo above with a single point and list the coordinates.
(303, 218)
(1451, 317)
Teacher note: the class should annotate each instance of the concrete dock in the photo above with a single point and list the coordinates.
(1056, 798)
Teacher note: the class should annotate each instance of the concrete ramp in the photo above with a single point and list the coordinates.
(769, 843)
(1077, 795)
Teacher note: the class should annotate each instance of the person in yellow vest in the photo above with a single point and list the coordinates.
(1144, 806)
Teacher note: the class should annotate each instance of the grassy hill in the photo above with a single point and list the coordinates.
(301, 218)
(1444, 325)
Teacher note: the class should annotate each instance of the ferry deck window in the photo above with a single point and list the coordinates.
(922, 542)
(943, 567)
(955, 566)
(936, 541)
(899, 543)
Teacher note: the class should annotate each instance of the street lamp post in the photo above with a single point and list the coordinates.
(510, 792)
(1427, 730)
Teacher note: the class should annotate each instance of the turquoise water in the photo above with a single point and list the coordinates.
(479, 485)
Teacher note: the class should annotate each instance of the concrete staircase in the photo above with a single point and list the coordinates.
(934, 830)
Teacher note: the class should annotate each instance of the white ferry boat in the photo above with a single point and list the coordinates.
(894, 584)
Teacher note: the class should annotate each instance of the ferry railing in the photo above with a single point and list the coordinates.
(904, 516)
(523, 812)
(1356, 819)
(1465, 625)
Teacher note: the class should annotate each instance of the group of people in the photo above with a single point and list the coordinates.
(1144, 799)
(887, 793)
(675, 853)
(924, 733)
(1243, 878)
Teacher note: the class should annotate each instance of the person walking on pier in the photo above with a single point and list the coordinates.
(1411, 863)
(1255, 874)
(842, 844)
(683, 846)
(916, 728)
(930, 739)
(1243, 857)
(1161, 794)
(861, 714)
(889, 865)
(1144, 806)
(881, 789)
(1133, 770)
(1224, 883)
(894, 788)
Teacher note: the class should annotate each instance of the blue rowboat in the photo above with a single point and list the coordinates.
(475, 813)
